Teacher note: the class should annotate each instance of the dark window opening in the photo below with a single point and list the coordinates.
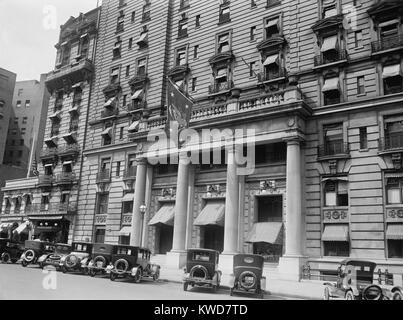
(363, 138)
(100, 236)
(269, 153)
(102, 203)
(395, 248)
(336, 248)
(393, 85)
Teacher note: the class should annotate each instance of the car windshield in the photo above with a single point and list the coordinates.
(62, 249)
(49, 248)
(201, 256)
(124, 251)
(80, 247)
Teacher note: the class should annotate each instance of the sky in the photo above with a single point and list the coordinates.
(29, 30)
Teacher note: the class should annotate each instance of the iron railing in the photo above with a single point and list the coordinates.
(267, 76)
(333, 148)
(330, 57)
(104, 176)
(49, 152)
(221, 86)
(45, 180)
(387, 43)
(65, 178)
(50, 208)
(391, 142)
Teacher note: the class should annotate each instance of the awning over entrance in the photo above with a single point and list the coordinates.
(394, 231)
(165, 215)
(212, 214)
(45, 218)
(391, 71)
(22, 228)
(268, 232)
(125, 231)
(129, 197)
(335, 232)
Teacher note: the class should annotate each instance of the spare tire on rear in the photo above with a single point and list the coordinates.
(247, 285)
(99, 259)
(199, 272)
(29, 255)
(121, 266)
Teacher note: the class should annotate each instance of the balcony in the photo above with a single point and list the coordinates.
(221, 87)
(272, 76)
(225, 17)
(137, 105)
(387, 44)
(65, 178)
(130, 173)
(336, 57)
(107, 113)
(45, 181)
(49, 154)
(52, 208)
(71, 74)
(334, 150)
(69, 151)
(104, 176)
(391, 144)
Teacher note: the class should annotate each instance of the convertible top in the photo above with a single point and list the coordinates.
(371, 264)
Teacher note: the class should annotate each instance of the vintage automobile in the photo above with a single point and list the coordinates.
(202, 269)
(248, 274)
(78, 259)
(34, 250)
(101, 257)
(10, 251)
(133, 262)
(53, 259)
(355, 282)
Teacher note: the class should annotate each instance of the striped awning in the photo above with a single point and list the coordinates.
(268, 232)
(109, 102)
(329, 43)
(335, 232)
(331, 84)
(391, 71)
(129, 197)
(134, 127)
(125, 231)
(143, 37)
(165, 215)
(394, 231)
(212, 214)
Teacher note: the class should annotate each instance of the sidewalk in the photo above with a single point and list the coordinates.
(306, 289)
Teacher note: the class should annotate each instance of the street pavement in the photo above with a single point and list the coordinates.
(32, 283)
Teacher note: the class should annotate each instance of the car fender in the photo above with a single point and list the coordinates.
(42, 258)
(355, 290)
(397, 288)
(84, 262)
(134, 270)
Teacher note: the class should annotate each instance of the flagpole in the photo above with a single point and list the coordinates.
(33, 147)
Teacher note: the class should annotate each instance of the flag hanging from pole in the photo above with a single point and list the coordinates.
(179, 108)
(35, 171)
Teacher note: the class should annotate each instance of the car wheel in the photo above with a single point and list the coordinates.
(156, 276)
(185, 286)
(64, 270)
(350, 296)
(24, 263)
(137, 277)
(91, 272)
(5, 258)
(231, 292)
(397, 295)
(326, 294)
(113, 276)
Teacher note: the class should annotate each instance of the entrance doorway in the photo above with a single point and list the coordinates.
(213, 237)
(166, 236)
(56, 231)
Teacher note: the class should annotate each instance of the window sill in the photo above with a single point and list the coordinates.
(145, 20)
(181, 37)
(184, 8)
(364, 150)
(361, 95)
(223, 22)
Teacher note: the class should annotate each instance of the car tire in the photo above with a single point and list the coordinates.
(91, 272)
(185, 286)
(243, 276)
(350, 296)
(5, 258)
(326, 294)
(64, 270)
(397, 295)
(113, 276)
(231, 292)
(137, 276)
(24, 263)
(156, 276)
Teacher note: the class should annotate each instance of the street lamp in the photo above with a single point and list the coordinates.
(143, 209)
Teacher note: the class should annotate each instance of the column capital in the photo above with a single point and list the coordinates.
(141, 161)
(294, 140)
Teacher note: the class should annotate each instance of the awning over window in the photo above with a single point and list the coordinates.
(110, 102)
(271, 60)
(55, 115)
(329, 43)
(143, 37)
(84, 35)
(125, 231)
(77, 85)
(107, 132)
(221, 73)
(179, 83)
(23, 227)
(129, 197)
(134, 127)
(165, 215)
(138, 95)
(335, 232)
(391, 71)
(394, 231)
(272, 22)
(212, 214)
(268, 232)
(118, 45)
(331, 84)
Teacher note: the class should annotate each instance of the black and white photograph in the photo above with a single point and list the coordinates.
(228, 153)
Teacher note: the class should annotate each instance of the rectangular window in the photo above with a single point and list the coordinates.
(114, 77)
(363, 138)
(336, 193)
(361, 85)
(141, 67)
(133, 16)
(27, 103)
(183, 28)
(272, 27)
(146, 11)
(23, 130)
(333, 138)
(329, 11)
(336, 248)
(127, 207)
(121, 133)
(127, 71)
(358, 39)
(117, 49)
(102, 203)
(395, 248)
(118, 164)
(130, 43)
(194, 84)
(252, 33)
(252, 69)
(99, 236)
(24, 120)
(196, 52)
(224, 14)
(223, 43)
(124, 99)
(120, 23)
(181, 57)
(15, 120)
(18, 103)
(21, 142)
(198, 21)
(20, 153)
(20, 91)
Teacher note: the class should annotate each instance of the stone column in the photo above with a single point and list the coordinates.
(191, 196)
(176, 258)
(139, 198)
(149, 184)
(291, 264)
(231, 205)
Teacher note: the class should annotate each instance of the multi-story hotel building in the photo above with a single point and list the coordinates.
(319, 82)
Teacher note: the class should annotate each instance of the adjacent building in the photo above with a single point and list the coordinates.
(318, 82)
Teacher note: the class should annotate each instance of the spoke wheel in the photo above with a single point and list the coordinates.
(397, 295)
